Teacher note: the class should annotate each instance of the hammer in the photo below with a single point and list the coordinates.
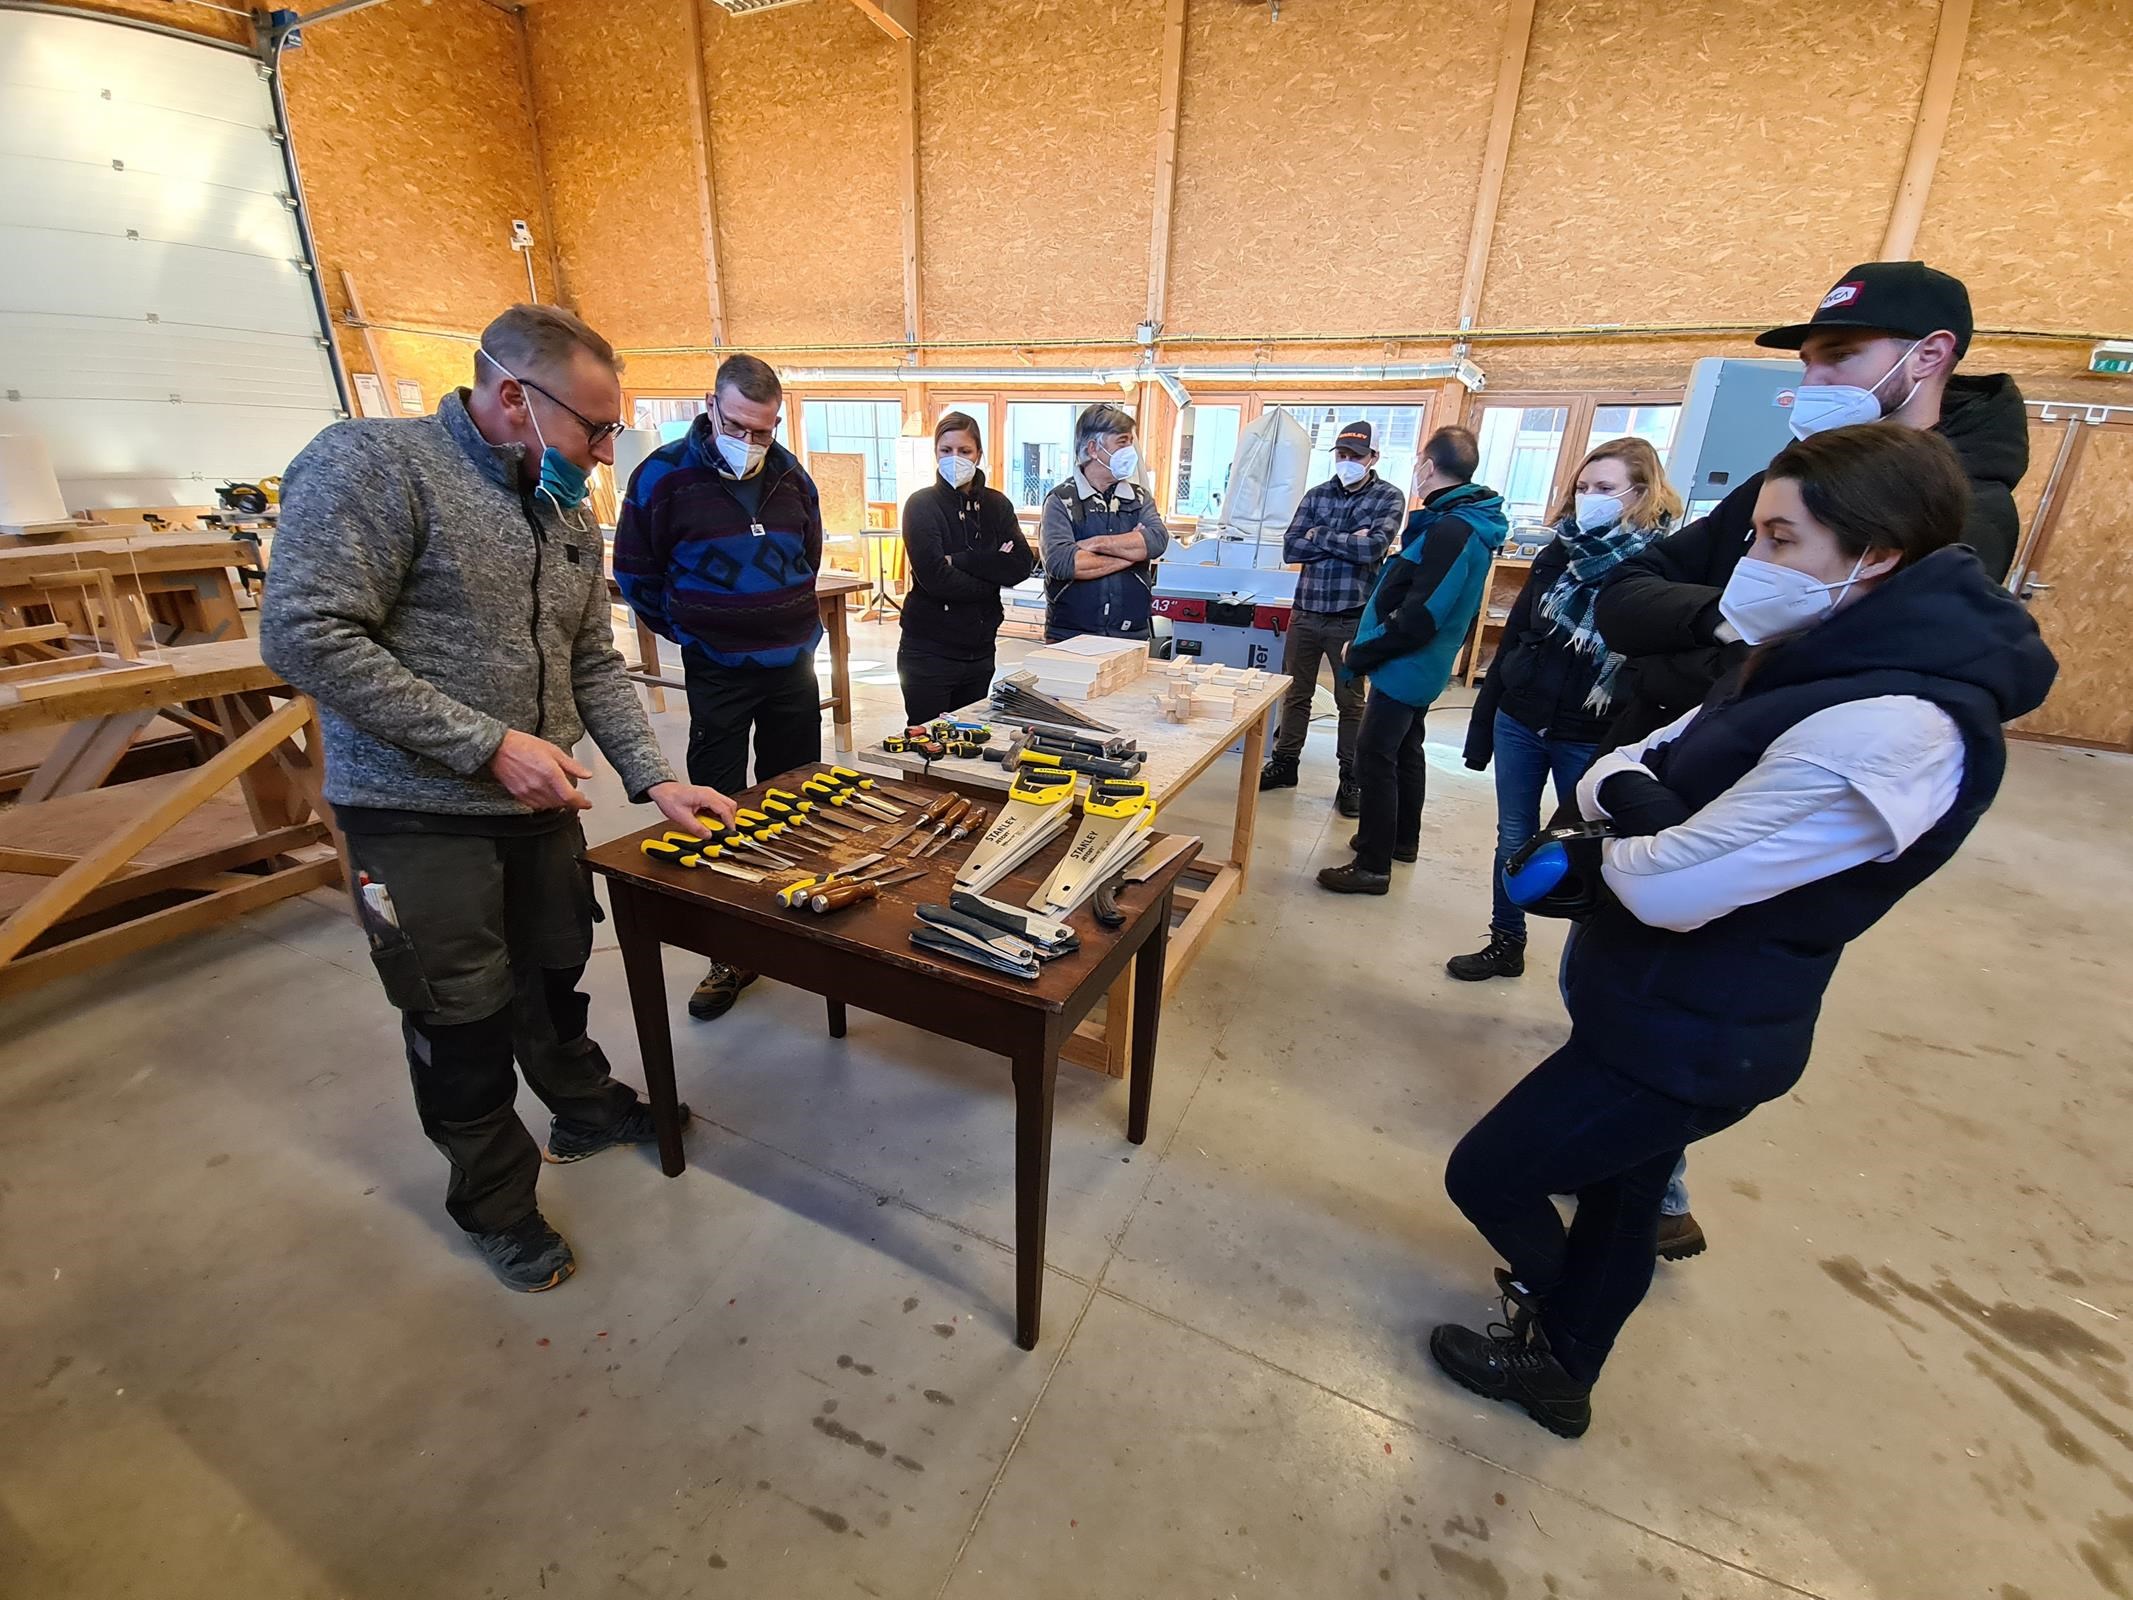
(1025, 750)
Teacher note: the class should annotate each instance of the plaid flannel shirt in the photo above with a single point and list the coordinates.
(1339, 537)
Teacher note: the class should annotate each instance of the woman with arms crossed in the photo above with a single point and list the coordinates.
(1756, 837)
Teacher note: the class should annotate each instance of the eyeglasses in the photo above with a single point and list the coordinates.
(596, 433)
(762, 436)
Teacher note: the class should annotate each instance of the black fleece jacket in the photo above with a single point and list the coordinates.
(965, 545)
(1661, 608)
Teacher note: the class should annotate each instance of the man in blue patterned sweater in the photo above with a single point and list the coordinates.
(717, 548)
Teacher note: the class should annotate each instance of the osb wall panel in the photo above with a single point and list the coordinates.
(416, 156)
(1326, 172)
(1704, 160)
(2028, 206)
(439, 365)
(611, 92)
(179, 14)
(2089, 562)
(1036, 202)
(804, 118)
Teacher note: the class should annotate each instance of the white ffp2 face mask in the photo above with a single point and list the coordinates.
(1125, 462)
(958, 470)
(1350, 473)
(1598, 511)
(1765, 601)
(1818, 407)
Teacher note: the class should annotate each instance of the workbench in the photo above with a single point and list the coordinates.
(1178, 753)
(832, 589)
(181, 581)
(90, 874)
(862, 956)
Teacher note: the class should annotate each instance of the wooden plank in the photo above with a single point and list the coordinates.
(98, 677)
(1928, 133)
(1247, 818)
(907, 138)
(143, 933)
(202, 672)
(1189, 935)
(1166, 162)
(370, 341)
(34, 863)
(896, 18)
(41, 633)
(86, 755)
(556, 285)
(699, 124)
(207, 864)
(59, 897)
(1496, 154)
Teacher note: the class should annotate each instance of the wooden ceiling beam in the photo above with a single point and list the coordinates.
(896, 18)
(700, 148)
(1510, 76)
(1935, 102)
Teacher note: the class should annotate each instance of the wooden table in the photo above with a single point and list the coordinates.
(862, 956)
(1178, 753)
(832, 588)
(172, 853)
(179, 580)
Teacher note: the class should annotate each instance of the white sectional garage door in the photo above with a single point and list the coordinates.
(157, 326)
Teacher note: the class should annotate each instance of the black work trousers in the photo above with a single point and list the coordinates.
(480, 941)
(1390, 767)
(1575, 1126)
(782, 705)
(935, 684)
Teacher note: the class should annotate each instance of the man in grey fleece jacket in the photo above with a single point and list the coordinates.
(438, 590)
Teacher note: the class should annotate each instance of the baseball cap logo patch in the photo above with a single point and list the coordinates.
(1843, 295)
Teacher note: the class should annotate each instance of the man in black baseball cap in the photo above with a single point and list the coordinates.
(1882, 346)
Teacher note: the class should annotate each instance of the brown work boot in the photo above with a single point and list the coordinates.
(1680, 1237)
(722, 986)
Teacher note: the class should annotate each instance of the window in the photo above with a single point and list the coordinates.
(1039, 448)
(1397, 430)
(1655, 423)
(1520, 446)
(1206, 450)
(866, 428)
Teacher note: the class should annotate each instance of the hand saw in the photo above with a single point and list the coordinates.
(1114, 817)
(1038, 806)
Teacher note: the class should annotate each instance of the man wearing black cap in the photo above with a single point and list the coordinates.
(1338, 536)
(1882, 346)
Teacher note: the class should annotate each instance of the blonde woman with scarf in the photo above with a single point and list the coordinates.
(1550, 692)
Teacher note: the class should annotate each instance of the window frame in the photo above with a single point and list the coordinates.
(1581, 405)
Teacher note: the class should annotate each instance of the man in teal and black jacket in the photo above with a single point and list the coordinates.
(1419, 613)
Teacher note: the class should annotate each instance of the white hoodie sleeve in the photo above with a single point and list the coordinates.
(1859, 782)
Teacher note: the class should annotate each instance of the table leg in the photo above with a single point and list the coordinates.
(1240, 843)
(1147, 1015)
(646, 976)
(836, 1015)
(1036, 1077)
(840, 642)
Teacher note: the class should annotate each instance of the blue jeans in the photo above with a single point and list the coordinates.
(1524, 762)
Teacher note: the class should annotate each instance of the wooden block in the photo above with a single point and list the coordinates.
(39, 633)
(101, 677)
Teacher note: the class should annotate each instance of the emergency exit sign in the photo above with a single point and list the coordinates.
(2114, 357)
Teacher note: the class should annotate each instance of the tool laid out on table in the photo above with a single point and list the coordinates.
(850, 891)
(789, 807)
(1048, 938)
(1027, 748)
(946, 820)
(820, 792)
(1115, 818)
(797, 890)
(682, 850)
(965, 825)
(742, 837)
(1140, 869)
(1052, 735)
(915, 742)
(860, 783)
(1038, 807)
(1016, 698)
(854, 788)
(926, 819)
(947, 932)
(770, 831)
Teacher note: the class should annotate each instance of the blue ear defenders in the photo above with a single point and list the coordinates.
(1556, 873)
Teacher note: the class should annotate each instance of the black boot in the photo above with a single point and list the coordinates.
(1511, 1362)
(1348, 798)
(1504, 957)
(1354, 878)
(1278, 773)
(1399, 852)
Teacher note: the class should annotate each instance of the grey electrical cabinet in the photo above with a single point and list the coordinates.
(1733, 420)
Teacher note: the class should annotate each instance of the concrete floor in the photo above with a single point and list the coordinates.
(242, 1353)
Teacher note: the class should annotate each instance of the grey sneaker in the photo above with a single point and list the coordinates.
(573, 1141)
(528, 1256)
